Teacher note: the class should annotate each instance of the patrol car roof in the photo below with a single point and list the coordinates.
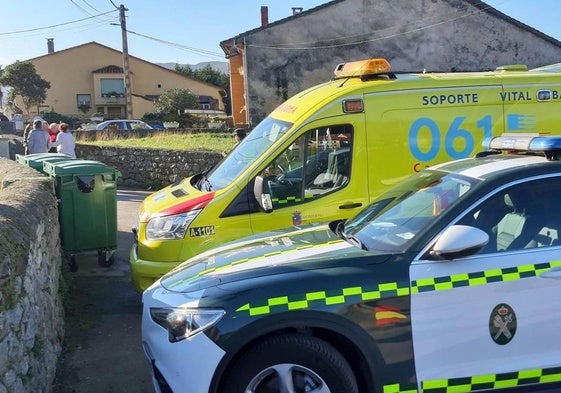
(495, 165)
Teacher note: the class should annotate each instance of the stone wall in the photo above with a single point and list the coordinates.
(141, 168)
(149, 168)
(31, 310)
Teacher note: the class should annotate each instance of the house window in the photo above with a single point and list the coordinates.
(112, 87)
(84, 101)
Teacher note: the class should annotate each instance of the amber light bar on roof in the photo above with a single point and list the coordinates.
(362, 67)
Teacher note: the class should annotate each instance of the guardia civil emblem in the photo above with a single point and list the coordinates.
(502, 324)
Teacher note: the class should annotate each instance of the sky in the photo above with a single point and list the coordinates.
(178, 31)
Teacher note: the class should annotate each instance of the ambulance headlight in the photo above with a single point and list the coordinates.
(170, 227)
(185, 322)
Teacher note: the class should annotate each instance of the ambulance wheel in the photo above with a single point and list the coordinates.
(104, 260)
(73, 265)
(291, 363)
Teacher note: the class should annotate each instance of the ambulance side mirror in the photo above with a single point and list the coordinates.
(262, 195)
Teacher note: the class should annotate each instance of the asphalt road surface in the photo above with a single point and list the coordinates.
(102, 350)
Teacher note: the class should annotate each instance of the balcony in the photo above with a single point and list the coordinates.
(111, 99)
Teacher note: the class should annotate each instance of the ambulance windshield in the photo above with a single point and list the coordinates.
(246, 152)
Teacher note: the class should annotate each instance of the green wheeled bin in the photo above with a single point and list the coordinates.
(87, 197)
(36, 161)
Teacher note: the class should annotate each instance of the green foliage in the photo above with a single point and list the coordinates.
(151, 117)
(84, 108)
(206, 74)
(25, 82)
(185, 70)
(173, 102)
(200, 141)
(53, 117)
(38, 349)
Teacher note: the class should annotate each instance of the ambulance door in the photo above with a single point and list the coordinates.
(493, 319)
(320, 177)
(410, 130)
(531, 103)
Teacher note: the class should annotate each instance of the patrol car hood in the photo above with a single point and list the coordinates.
(310, 247)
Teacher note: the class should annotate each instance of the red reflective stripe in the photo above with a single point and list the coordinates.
(188, 205)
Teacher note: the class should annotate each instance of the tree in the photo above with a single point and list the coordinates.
(23, 80)
(206, 74)
(212, 76)
(185, 70)
(175, 101)
(172, 104)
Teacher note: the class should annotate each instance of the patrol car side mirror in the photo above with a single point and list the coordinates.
(459, 241)
(261, 191)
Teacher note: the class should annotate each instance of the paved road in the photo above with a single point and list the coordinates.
(102, 351)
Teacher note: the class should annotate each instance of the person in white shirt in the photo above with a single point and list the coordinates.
(64, 141)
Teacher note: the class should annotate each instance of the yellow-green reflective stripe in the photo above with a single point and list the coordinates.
(480, 278)
(491, 381)
(302, 301)
(286, 200)
(397, 388)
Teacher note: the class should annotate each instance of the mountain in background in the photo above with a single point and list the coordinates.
(220, 66)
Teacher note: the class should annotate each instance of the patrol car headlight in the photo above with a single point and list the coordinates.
(170, 227)
(182, 323)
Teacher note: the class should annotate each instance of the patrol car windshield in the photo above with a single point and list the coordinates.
(250, 148)
(397, 217)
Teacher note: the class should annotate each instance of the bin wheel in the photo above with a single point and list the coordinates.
(105, 260)
(73, 264)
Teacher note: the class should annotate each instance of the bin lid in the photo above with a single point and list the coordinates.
(26, 159)
(38, 162)
(41, 162)
(77, 167)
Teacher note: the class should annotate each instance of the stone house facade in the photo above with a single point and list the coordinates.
(275, 61)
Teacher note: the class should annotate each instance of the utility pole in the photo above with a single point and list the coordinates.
(126, 66)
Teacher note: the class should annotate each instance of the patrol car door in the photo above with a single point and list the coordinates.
(493, 319)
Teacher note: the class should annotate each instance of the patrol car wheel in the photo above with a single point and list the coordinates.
(291, 363)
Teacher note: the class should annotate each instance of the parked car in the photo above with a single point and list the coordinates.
(123, 125)
(156, 125)
(450, 281)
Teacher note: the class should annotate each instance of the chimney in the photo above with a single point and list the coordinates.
(296, 10)
(264, 16)
(50, 45)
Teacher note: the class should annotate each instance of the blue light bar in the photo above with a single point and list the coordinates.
(546, 143)
(523, 142)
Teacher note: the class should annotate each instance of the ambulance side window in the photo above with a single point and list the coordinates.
(317, 163)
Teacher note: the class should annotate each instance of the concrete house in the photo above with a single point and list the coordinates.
(273, 62)
(89, 78)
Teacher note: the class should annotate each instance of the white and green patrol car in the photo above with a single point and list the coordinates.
(449, 282)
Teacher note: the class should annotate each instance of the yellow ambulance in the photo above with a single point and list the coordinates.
(326, 152)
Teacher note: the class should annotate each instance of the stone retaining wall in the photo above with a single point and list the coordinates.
(31, 310)
(142, 168)
(149, 168)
